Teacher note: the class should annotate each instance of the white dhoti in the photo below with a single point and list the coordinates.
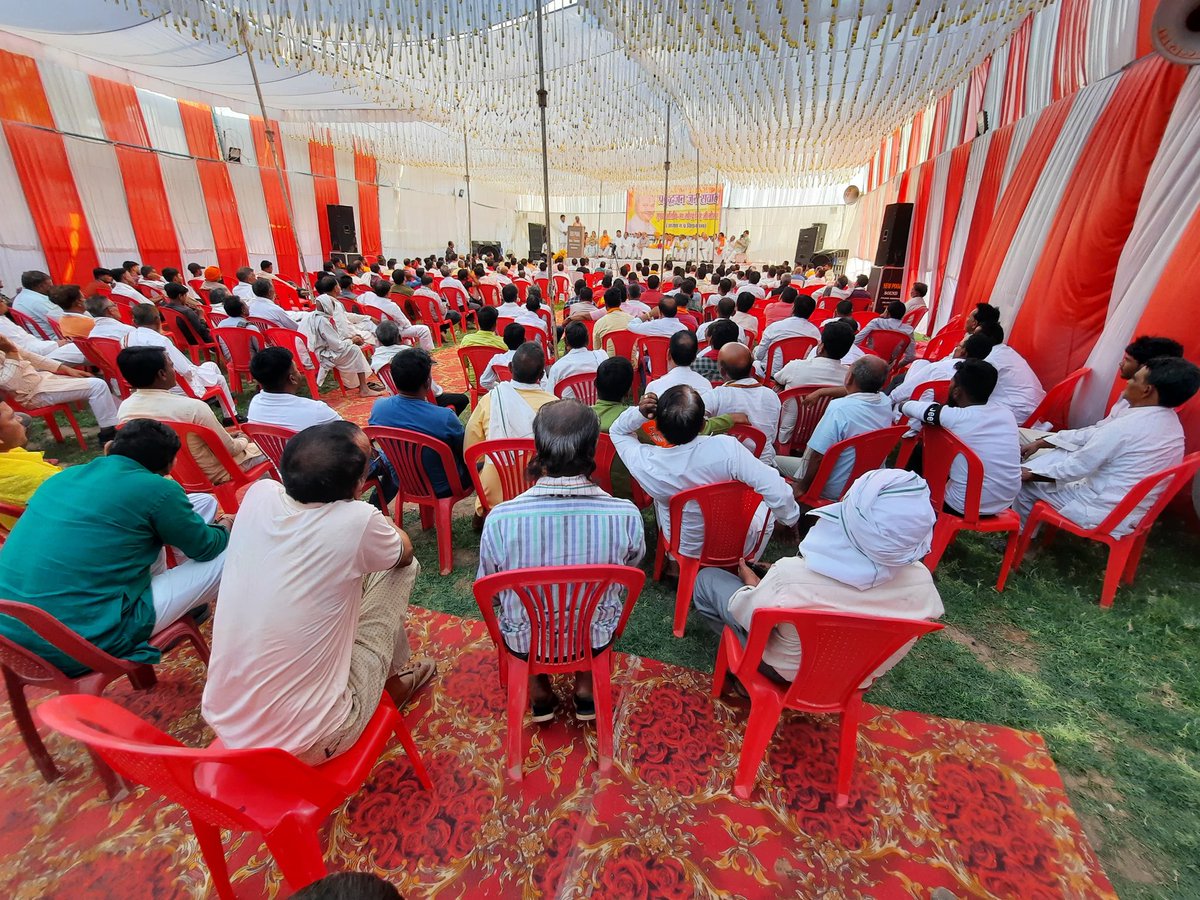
(422, 334)
(177, 591)
(348, 360)
(63, 389)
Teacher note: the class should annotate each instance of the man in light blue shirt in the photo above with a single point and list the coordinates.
(34, 301)
(864, 408)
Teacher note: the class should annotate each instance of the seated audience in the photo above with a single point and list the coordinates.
(681, 354)
(917, 297)
(101, 570)
(245, 282)
(614, 318)
(412, 373)
(692, 460)
(862, 556)
(151, 374)
(795, 325)
(334, 351)
(988, 429)
(563, 520)
(388, 336)
(973, 346)
(35, 381)
(1086, 483)
(825, 365)
(236, 313)
(779, 309)
(743, 393)
(73, 321)
(21, 471)
(262, 305)
(514, 337)
(891, 321)
(278, 402)
(708, 364)
(60, 349)
(726, 307)
(107, 321)
(578, 358)
(507, 411)
(194, 329)
(663, 321)
(380, 299)
(485, 335)
(860, 298)
(309, 630)
(101, 284)
(743, 317)
(352, 327)
(148, 333)
(212, 279)
(33, 300)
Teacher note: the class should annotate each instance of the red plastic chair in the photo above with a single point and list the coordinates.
(871, 450)
(490, 294)
(863, 317)
(757, 439)
(473, 361)
(47, 413)
(839, 652)
(286, 295)
(150, 293)
(192, 478)
(912, 317)
(29, 323)
(523, 288)
(560, 602)
(306, 360)
(620, 343)
(535, 335)
(211, 393)
(582, 387)
(431, 315)
(102, 353)
(502, 373)
(264, 324)
(887, 345)
(941, 345)
(509, 458)
(270, 439)
(727, 510)
(1124, 553)
(655, 353)
(180, 327)
(787, 349)
(807, 417)
(1056, 405)
(456, 300)
(606, 454)
(942, 447)
(23, 668)
(241, 344)
(941, 393)
(562, 287)
(264, 790)
(57, 329)
(407, 452)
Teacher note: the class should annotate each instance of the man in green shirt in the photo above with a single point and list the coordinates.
(89, 549)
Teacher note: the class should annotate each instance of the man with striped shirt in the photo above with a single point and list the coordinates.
(563, 520)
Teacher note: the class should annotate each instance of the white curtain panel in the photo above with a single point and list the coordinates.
(1039, 72)
(958, 109)
(1026, 248)
(1112, 37)
(252, 210)
(1170, 200)
(72, 103)
(993, 92)
(962, 230)
(304, 206)
(20, 247)
(163, 122)
(102, 193)
(927, 261)
(1021, 132)
(188, 211)
(343, 165)
(233, 130)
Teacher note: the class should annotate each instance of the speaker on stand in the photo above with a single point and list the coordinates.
(891, 255)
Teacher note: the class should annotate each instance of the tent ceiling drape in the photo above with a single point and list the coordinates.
(769, 93)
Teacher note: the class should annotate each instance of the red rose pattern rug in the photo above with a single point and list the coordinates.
(447, 372)
(976, 809)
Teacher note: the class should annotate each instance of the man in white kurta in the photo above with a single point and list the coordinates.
(893, 321)
(148, 333)
(988, 429)
(578, 359)
(692, 461)
(682, 353)
(795, 325)
(1018, 388)
(262, 305)
(380, 299)
(1087, 483)
(745, 394)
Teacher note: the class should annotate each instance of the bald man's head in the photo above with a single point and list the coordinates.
(867, 375)
(736, 361)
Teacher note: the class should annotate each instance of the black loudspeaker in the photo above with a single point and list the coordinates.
(811, 239)
(893, 236)
(483, 248)
(537, 237)
(342, 235)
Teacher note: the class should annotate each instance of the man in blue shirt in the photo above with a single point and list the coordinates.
(412, 373)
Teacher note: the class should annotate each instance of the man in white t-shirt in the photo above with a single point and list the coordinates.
(274, 368)
(681, 353)
(310, 627)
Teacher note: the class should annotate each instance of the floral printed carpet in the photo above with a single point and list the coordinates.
(975, 809)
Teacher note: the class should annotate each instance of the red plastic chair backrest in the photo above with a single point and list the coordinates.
(218, 785)
(296, 343)
(491, 293)
(807, 417)
(658, 349)
(502, 322)
(264, 325)
(406, 450)
(954, 325)
(270, 439)
(32, 669)
(914, 316)
(1171, 481)
(509, 457)
(1055, 407)
(57, 329)
(606, 453)
(377, 315)
(940, 389)
(870, 449)
(473, 361)
(240, 344)
(786, 350)
(188, 472)
(561, 602)
(148, 292)
(942, 447)
(943, 344)
(194, 283)
(429, 309)
(889, 345)
(862, 318)
(757, 440)
(727, 509)
(522, 288)
(502, 372)
(839, 651)
(29, 323)
(582, 387)
(179, 325)
(102, 353)
(286, 295)
(621, 342)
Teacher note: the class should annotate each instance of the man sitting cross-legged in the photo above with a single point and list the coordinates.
(100, 570)
(862, 556)
(563, 520)
(309, 629)
(380, 299)
(151, 374)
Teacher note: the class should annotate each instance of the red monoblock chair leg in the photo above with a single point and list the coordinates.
(720, 668)
(314, 389)
(907, 446)
(426, 515)
(75, 427)
(688, 569)
(848, 746)
(1135, 557)
(213, 851)
(660, 556)
(400, 729)
(227, 497)
(52, 424)
(27, 728)
(444, 516)
(944, 531)
(518, 697)
(1118, 559)
(296, 846)
(1010, 555)
(602, 692)
(765, 710)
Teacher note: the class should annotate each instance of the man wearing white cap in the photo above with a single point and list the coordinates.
(862, 556)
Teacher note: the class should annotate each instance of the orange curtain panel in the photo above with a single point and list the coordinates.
(366, 173)
(325, 189)
(219, 199)
(40, 159)
(287, 258)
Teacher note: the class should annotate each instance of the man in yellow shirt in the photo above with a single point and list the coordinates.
(614, 319)
(486, 335)
(21, 471)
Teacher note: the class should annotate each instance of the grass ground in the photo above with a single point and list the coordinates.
(1115, 693)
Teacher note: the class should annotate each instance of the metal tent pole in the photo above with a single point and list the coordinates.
(542, 95)
(287, 196)
(696, 239)
(467, 162)
(662, 264)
